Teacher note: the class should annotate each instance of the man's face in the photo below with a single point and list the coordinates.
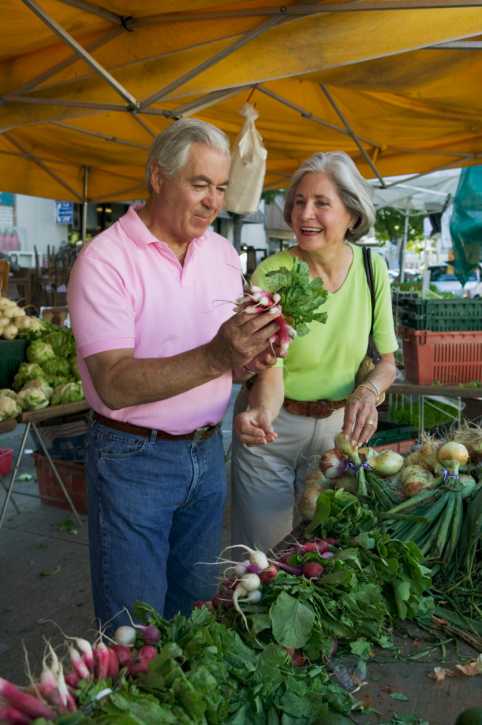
(187, 203)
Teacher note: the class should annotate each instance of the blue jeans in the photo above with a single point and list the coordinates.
(155, 512)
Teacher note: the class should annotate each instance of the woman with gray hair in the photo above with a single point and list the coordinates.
(294, 409)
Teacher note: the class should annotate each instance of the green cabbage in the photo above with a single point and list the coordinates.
(32, 399)
(55, 367)
(26, 372)
(62, 342)
(7, 393)
(39, 352)
(39, 385)
(68, 393)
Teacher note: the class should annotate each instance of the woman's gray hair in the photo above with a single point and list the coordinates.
(352, 188)
(171, 148)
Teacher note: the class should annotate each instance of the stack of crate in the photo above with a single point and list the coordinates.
(442, 339)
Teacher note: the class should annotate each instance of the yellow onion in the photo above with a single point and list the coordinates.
(452, 455)
(386, 463)
(415, 478)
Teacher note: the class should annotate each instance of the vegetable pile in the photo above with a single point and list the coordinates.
(194, 670)
(49, 377)
(14, 322)
(298, 296)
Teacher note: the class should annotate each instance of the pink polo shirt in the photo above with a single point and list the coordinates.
(128, 290)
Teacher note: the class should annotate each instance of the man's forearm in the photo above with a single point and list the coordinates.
(133, 381)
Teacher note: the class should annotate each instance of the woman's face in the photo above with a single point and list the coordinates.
(319, 218)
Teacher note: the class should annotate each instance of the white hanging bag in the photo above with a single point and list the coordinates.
(248, 167)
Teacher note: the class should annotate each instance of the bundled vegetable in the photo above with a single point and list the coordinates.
(433, 517)
(298, 296)
(362, 471)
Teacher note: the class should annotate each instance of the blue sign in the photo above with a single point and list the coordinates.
(6, 199)
(64, 212)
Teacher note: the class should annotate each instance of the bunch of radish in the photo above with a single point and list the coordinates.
(256, 300)
(131, 650)
(244, 581)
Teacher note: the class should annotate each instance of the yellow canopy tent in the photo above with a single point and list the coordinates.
(85, 86)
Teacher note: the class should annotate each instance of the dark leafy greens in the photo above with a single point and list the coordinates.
(301, 296)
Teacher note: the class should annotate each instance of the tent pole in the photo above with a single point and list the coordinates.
(403, 245)
(213, 60)
(352, 133)
(81, 52)
(38, 161)
(308, 115)
(83, 230)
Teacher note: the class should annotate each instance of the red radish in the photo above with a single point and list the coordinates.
(78, 663)
(27, 704)
(12, 716)
(124, 654)
(139, 667)
(259, 301)
(85, 648)
(101, 655)
(312, 570)
(149, 633)
(253, 569)
(113, 663)
(72, 679)
(267, 575)
(148, 652)
(318, 546)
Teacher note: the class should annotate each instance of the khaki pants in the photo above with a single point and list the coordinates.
(267, 480)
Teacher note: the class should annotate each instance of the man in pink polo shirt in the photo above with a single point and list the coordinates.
(151, 301)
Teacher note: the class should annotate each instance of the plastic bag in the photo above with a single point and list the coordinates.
(248, 167)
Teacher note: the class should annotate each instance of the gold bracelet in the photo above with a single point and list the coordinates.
(371, 387)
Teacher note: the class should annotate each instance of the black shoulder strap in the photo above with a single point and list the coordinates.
(367, 263)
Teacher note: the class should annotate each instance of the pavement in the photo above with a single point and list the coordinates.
(44, 570)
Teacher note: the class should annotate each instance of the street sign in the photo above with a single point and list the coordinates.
(64, 212)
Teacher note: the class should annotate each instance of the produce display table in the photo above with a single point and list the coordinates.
(31, 420)
(459, 392)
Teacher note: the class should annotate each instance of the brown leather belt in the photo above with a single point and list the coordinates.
(200, 434)
(313, 408)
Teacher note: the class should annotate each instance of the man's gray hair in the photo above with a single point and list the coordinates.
(171, 147)
(354, 191)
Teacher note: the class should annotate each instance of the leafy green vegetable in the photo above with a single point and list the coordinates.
(26, 372)
(301, 297)
(39, 352)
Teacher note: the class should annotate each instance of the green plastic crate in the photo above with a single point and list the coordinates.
(12, 353)
(439, 315)
(392, 433)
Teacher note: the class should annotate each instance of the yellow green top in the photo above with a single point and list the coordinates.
(323, 363)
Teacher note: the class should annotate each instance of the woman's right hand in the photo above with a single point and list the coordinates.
(254, 427)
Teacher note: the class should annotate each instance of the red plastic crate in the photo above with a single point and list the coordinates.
(442, 357)
(71, 473)
(6, 461)
(402, 447)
